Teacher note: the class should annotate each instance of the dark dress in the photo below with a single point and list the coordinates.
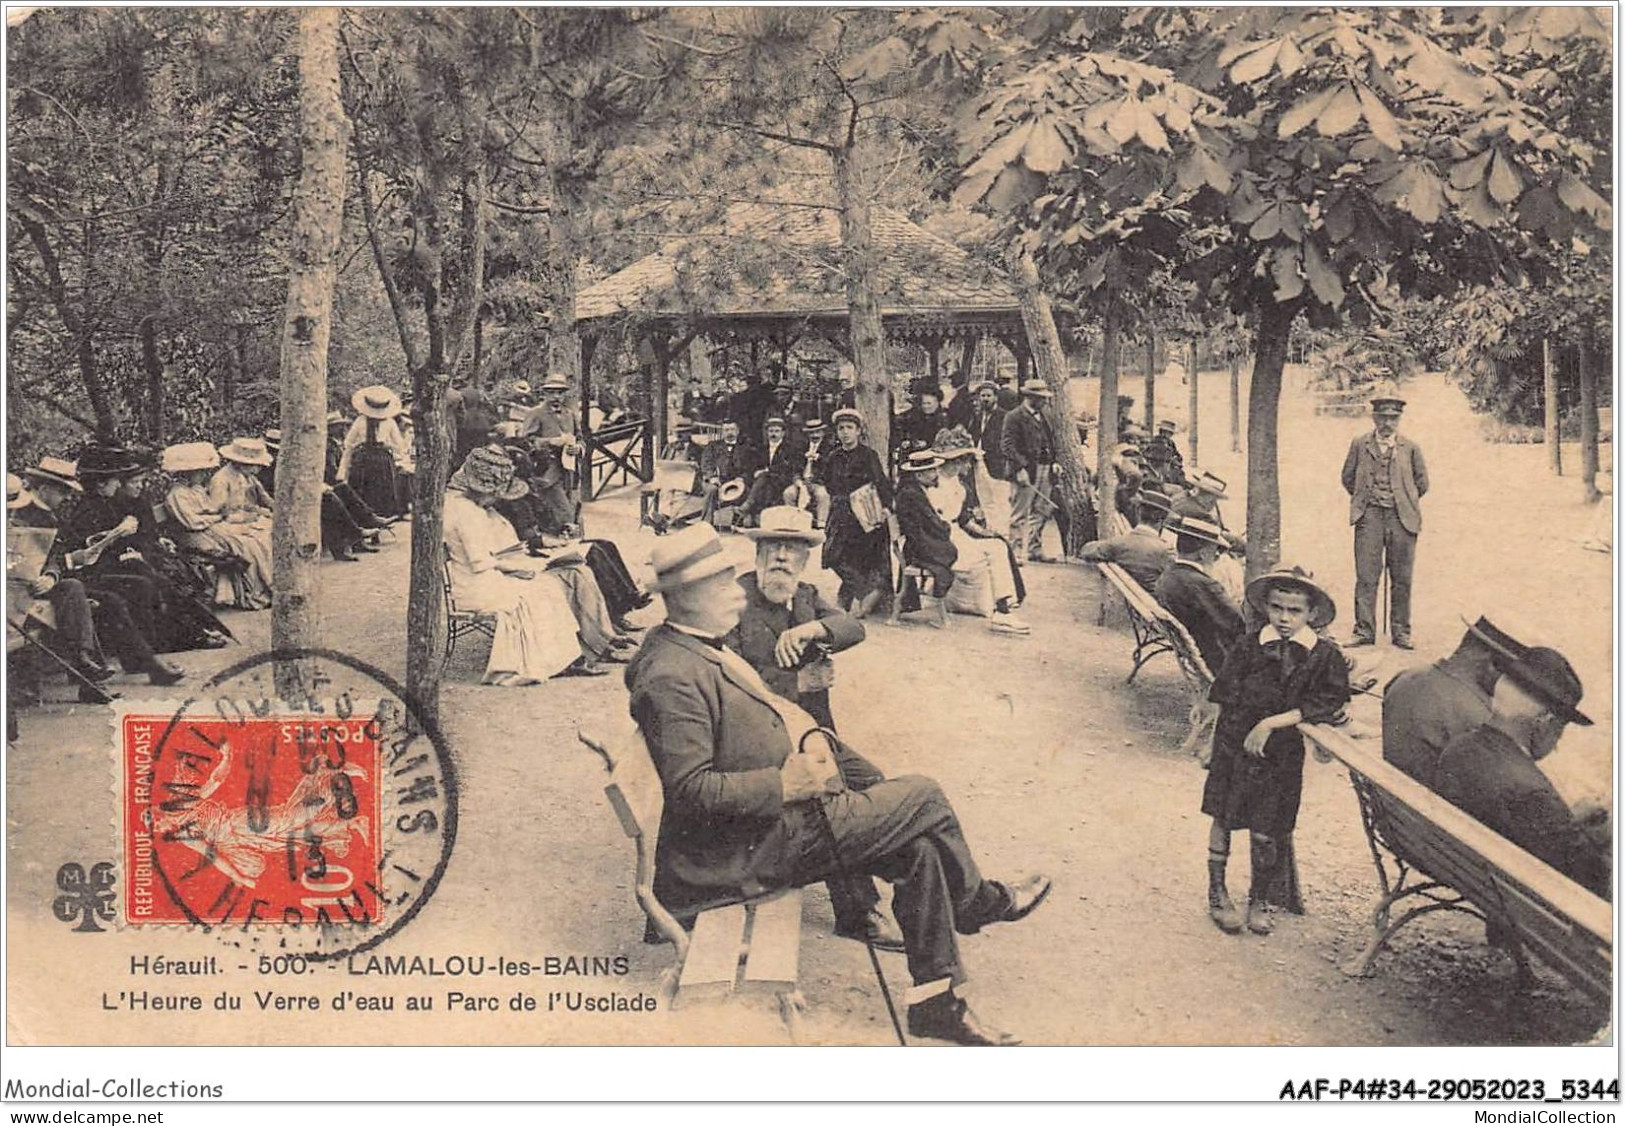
(1262, 794)
(859, 557)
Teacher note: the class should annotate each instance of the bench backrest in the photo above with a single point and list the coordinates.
(635, 794)
(1564, 924)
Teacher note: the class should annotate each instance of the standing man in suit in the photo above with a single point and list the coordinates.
(789, 632)
(756, 793)
(1029, 457)
(985, 423)
(1386, 479)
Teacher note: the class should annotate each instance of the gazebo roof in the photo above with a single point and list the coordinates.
(781, 262)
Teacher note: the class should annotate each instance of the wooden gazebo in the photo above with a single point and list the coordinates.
(772, 273)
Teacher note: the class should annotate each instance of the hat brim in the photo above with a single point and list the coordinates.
(23, 499)
(1216, 494)
(389, 409)
(1322, 610)
(811, 536)
(957, 452)
(711, 565)
(228, 455)
(1037, 393)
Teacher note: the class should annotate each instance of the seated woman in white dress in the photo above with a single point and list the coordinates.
(981, 551)
(203, 524)
(538, 632)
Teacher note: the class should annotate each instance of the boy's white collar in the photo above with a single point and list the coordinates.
(1305, 636)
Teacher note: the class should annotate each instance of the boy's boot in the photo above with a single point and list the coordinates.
(1219, 907)
(1263, 862)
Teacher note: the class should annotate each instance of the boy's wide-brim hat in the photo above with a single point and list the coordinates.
(246, 451)
(1197, 528)
(59, 470)
(488, 470)
(16, 495)
(186, 456)
(687, 556)
(781, 522)
(1547, 676)
(376, 401)
(1037, 388)
(1322, 610)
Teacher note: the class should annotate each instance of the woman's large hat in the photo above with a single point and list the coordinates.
(488, 470)
(57, 470)
(688, 555)
(184, 457)
(782, 522)
(99, 462)
(1547, 675)
(376, 401)
(953, 442)
(919, 461)
(1322, 610)
(246, 451)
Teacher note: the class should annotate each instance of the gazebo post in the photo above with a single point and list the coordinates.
(658, 404)
(933, 357)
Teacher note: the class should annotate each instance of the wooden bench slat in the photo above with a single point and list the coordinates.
(775, 940)
(714, 947)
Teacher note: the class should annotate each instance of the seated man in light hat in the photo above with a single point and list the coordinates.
(789, 632)
(1491, 772)
(755, 791)
(1424, 708)
(1141, 551)
(927, 537)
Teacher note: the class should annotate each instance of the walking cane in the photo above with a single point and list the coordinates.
(840, 870)
(1384, 609)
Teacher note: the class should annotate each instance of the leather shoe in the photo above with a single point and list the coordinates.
(875, 929)
(1404, 643)
(161, 674)
(93, 671)
(948, 1017)
(1025, 895)
(1359, 640)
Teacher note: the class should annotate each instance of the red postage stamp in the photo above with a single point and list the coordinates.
(257, 821)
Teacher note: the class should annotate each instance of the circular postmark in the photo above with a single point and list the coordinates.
(318, 826)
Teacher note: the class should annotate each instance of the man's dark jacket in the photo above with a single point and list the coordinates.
(762, 622)
(927, 537)
(1026, 442)
(1202, 607)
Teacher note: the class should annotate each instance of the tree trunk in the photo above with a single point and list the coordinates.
(1235, 399)
(152, 366)
(1263, 476)
(863, 305)
(1554, 434)
(564, 245)
(967, 360)
(318, 215)
(1588, 421)
(1195, 403)
(1111, 353)
(1151, 381)
(1044, 341)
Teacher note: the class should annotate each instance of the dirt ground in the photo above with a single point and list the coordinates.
(1052, 763)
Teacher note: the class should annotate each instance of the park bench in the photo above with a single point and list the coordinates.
(1440, 859)
(737, 949)
(459, 622)
(1156, 631)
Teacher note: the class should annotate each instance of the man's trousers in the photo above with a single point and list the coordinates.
(904, 831)
(1378, 534)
